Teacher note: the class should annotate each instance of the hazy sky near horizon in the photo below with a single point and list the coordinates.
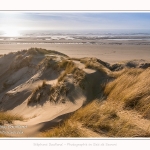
(42, 20)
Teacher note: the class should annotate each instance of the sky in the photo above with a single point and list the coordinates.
(55, 20)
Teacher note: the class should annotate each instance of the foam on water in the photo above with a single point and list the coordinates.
(70, 35)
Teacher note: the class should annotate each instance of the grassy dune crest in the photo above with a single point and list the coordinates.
(132, 88)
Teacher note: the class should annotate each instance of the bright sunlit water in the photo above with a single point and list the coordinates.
(14, 32)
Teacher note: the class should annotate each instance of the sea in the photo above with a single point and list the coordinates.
(109, 34)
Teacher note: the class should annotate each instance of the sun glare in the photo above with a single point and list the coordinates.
(11, 32)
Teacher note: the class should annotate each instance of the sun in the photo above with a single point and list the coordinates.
(11, 32)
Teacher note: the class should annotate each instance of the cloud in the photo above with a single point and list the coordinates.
(75, 20)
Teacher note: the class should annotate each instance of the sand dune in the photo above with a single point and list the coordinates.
(46, 87)
(18, 81)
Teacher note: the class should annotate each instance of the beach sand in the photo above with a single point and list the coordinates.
(111, 51)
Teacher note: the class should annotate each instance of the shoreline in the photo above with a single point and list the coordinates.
(111, 51)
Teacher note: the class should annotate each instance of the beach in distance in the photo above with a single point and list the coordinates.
(74, 75)
(110, 48)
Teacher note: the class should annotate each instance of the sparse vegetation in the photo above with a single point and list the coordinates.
(34, 51)
(19, 62)
(74, 58)
(37, 93)
(93, 63)
(67, 129)
(65, 63)
(48, 62)
(8, 118)
(93, 66)
(41, 51)
(59, 92)
(129, 90)
(71, 68)
(132, 88)
(52, 62)
(100, 117)
(2, 136)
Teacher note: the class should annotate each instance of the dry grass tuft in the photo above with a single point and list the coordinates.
(37, 93)
(9, 118)
(67, 129)
(2, 135)
(100, 117)
(49, 62)
(34, 51)
(41, 51)
(19, 62)
(132, 88)
(74, 58)
(93, 65)
(96, 64)
(69, 67)
(59, 92)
